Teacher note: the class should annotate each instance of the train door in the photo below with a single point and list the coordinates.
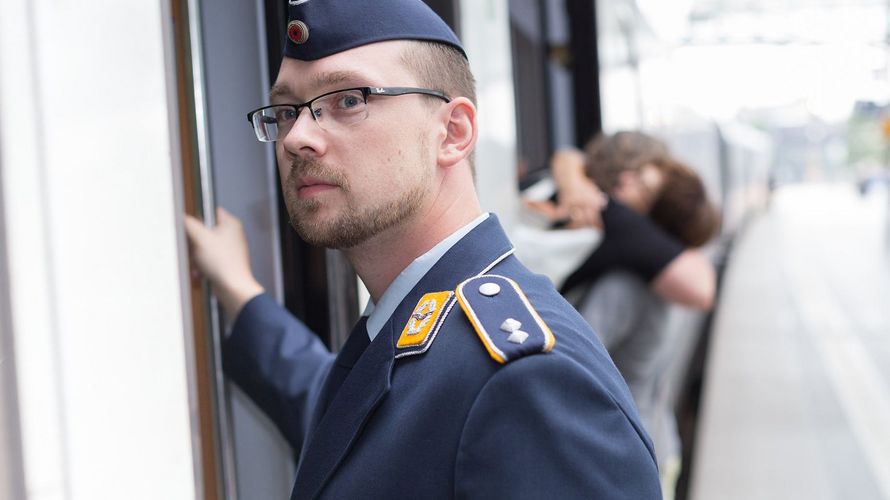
(228, 56)
(223, 72)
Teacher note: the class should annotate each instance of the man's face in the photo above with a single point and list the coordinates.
(344, 185)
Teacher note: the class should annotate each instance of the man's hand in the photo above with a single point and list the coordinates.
(222, 256)
(580, 200)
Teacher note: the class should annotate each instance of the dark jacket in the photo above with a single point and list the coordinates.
(447, 420)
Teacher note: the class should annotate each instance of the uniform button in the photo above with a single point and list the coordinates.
(490, 289)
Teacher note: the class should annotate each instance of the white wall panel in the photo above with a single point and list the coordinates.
(95, 249)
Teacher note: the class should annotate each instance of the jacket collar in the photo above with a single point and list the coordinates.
(411, 276)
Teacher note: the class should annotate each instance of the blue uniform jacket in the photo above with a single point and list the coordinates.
(449, 421)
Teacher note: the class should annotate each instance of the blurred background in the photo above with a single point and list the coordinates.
(118, 117)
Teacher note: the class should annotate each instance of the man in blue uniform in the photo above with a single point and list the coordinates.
(468, 376)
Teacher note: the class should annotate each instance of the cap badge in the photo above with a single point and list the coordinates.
(298, 32)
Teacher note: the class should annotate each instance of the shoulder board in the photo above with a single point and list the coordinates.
(502, 316)
(424, 323)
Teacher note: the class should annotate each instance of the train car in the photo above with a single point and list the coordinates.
(115, 120)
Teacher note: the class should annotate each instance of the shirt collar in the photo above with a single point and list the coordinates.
(379, 313)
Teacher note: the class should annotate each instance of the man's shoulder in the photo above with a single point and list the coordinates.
(498, 318)
(574, 341)
(509, 327)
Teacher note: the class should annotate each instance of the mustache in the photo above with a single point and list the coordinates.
(309, 167)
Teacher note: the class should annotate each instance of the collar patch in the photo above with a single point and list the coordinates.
(424, 323)
(504, 319)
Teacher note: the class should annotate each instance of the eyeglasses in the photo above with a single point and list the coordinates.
(330, 111)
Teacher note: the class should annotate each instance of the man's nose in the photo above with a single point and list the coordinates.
(304, 135)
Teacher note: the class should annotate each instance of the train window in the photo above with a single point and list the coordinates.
(582, 25)
(528, 30)
(556, 79)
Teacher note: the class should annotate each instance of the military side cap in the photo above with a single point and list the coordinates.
(503, 318)
(319, 28)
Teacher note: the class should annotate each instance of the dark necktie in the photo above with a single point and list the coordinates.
(355, 345)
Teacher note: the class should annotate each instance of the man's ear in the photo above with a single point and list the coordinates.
(459, 118)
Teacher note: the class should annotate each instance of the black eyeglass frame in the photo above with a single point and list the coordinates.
(366, 92)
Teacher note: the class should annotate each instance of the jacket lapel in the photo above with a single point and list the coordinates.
(361, 391)
(355, 346)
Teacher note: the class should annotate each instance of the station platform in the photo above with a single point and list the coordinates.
(796, 397)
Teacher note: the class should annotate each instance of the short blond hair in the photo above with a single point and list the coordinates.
(442, 67)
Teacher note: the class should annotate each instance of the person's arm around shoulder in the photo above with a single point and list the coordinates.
(689, 280)
(543, 427)
(680, 275)
(221, 255)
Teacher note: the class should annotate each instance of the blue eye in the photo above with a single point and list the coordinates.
(283, 115)
(350, 101)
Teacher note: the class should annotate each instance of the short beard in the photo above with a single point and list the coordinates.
(353, 225)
